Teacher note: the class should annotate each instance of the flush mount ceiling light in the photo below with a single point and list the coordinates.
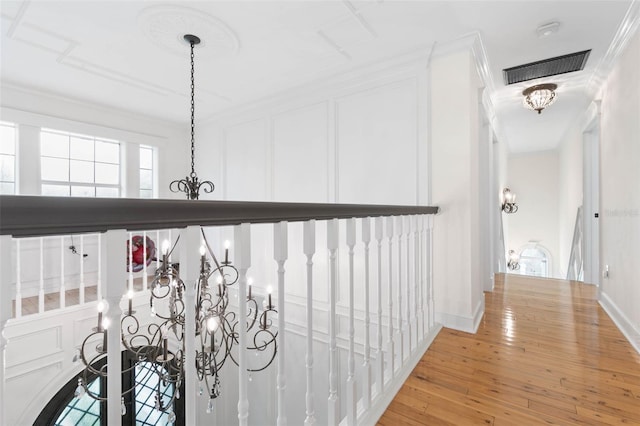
(540, 96)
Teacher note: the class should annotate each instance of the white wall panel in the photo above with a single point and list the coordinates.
(300, 155)
(246, 161)
(377, 145)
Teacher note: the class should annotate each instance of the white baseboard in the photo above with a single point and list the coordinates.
(460, 323)
(621, 321)
(381, 402)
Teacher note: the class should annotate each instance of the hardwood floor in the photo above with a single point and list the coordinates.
(72, 298)
(545, 353)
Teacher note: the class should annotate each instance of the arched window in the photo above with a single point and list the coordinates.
(535, 260)
(65, 409)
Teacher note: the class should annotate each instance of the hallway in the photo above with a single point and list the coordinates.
(545, 353)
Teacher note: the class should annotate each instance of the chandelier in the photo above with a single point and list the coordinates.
(217, 331)
(190, 185)
(539, 97)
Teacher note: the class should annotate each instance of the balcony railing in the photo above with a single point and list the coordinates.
(354, 282)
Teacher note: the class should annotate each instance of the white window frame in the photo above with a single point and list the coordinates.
(152, 170)
(14, 155)
(70, 183)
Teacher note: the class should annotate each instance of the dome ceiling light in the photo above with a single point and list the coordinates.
(540, 96)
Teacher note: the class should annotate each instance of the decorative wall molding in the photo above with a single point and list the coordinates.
(631, 332)
(627, 29)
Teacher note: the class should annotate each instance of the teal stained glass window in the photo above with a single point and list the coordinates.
(83, 411)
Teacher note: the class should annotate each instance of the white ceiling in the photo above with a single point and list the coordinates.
(128, 54)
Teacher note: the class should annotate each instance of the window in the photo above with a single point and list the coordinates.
(146, 171)
(535, 260)
(7, 158)
(78, 165)
(65, 409)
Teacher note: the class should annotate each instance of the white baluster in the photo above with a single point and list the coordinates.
(334, 401)
(280, 254)
(6, 266)
(309, 247)
(380, 352)
(400, 324)
(81, 289)
(423, 277)
(18, 280)
(190, 242)
(63, 292)
(418, 290)
(430, 305)
(157, 249)
(242, 243)
(41, 290)
(351, 362)
(391, 343)
(366, 386)
(100, 268)
(145, 275)
(130, 261)
(115, 275)
(408, 314)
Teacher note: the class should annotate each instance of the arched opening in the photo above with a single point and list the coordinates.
(66, 409)
(535, 260)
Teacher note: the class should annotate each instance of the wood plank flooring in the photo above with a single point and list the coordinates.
(72, 298)
(545, 353)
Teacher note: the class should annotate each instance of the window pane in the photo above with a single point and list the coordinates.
(83, 411)
(55, 169)
(55, 190)
(7, 168)
(7, 188)
(81, 171)
(107, 192)
(81, 149)
(146, 193)
(54, 145)
(107, 173)
(147, 382)
(146, 158)
(83, 191)
(108, 152)
(7, 140)
(146, 179)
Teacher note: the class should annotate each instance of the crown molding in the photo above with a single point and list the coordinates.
(623, 36)
(85, 104)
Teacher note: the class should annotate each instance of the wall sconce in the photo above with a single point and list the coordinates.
(509, 201)
(513, 264)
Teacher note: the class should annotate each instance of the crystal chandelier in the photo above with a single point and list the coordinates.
(190, 185)
(217, 335)
(539, 97)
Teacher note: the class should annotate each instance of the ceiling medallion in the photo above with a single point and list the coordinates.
(540, 96)
(165, 26)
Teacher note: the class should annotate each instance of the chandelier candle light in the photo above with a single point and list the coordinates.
(190, 185)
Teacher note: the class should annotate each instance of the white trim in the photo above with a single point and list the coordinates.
(460, 323)
(381, 402)
(621, 321)
(629, 25)
(72, 126)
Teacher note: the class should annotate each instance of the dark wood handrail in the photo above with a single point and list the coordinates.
(27, 216)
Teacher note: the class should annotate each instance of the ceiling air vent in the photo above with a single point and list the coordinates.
(547, 67)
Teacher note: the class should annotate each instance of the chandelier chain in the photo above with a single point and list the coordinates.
(193, 149)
